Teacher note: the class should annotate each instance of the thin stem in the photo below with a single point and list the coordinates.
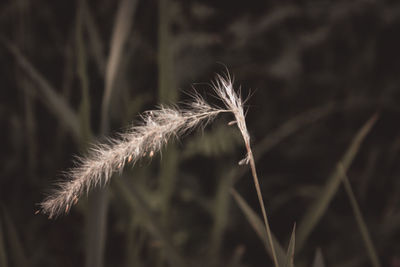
(261, 201)
(373, 256)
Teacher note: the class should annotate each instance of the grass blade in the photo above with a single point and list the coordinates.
(291, 246)
(95, 42)
(121, 30)
(372, 254)
(259, 227)
(84, 109)
(219, 212)
(136, 202)
(55, 102)
(318, 259)
(320, 205)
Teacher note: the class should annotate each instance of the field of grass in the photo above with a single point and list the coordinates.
(322, 88)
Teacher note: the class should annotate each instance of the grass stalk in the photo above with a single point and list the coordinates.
(167, 94)
(84, 108)
(362, 226)
(261, 201)
(223, 87)
(320, 205)
(121, 31)
(259, 227)
(270, 141)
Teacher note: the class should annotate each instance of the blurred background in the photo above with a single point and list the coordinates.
(323, 114)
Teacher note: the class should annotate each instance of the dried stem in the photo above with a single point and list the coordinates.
(224, 89)
(261, 201)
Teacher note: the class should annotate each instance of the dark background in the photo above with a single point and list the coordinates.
(316, 71)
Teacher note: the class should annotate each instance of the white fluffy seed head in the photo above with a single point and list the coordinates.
(223, 87)
(156, 128)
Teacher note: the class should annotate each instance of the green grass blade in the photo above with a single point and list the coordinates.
(220, 213)
(372, 254)
(259, 227)
(320, 205)
(55, 102)
(167, 94)
(291, 247)
(84, 109)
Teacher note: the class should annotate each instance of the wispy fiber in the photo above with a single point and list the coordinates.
(156, 128)
(144, 140)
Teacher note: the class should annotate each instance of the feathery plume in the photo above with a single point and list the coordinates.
(157, 127)
(96, 169)
(155, 130)
(103, 160)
